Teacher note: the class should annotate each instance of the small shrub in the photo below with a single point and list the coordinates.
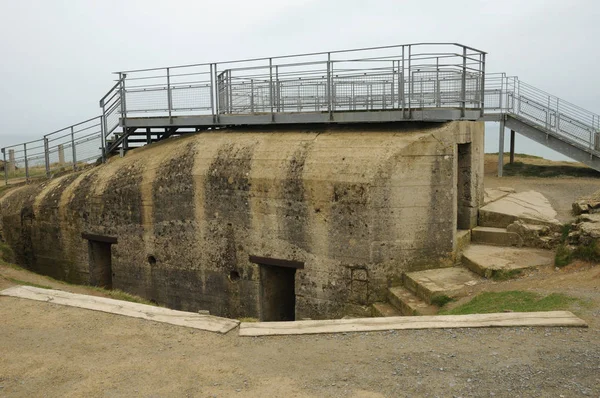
(564, 256)
(441, 300)
(564, 232)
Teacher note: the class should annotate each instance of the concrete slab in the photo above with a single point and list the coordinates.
(451, 282)
(493, 194)
(491, 261)
(495, 236)
(408, 303)
(530, 207)
(158, 314)
(510, 319)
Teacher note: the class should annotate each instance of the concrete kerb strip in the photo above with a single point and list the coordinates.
(158, 314)
(512, 319)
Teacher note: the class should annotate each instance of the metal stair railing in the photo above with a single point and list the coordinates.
(555, 116)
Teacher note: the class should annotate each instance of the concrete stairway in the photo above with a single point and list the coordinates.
(490, 250)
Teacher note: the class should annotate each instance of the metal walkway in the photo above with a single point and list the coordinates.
(430, 82)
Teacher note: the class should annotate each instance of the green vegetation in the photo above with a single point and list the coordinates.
(533, 170)
(6, 253)
(515, 301)
(25, 283)
(504, 275)
(566, 254)
(121, 295)
(441, 300)
(517, 155)
(247, 319)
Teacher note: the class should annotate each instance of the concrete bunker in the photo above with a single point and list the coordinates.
(358, 205)
(100, 259)
(277, 295)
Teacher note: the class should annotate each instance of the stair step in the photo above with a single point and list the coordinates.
(385, 309)
(495, 236)
(429, 284)
(504, 262)
(409, 304)
(463, 239)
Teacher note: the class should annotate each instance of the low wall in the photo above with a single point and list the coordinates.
(358, 206)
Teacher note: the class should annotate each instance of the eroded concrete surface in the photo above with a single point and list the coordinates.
(357, 206)
(531, 207)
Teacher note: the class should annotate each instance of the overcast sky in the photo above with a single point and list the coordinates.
(58, 55)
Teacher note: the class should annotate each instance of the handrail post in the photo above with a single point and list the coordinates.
(169, 98)
(438, 99)
(401, 90)
(103, 136)
(5, 167)
(271, 88)
(122, 77)
(73, 150)
(26, 163)
(482, 65)
(218, 95)
(47, 156)
(410, 82)
(328, 91)
(464, 83)
(212, 94)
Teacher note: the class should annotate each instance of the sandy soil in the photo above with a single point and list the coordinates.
(56, 351)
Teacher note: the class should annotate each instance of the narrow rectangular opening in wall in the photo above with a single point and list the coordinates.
(277, 294)
(100, 259)
(463, 188)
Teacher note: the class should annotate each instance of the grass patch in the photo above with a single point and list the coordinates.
(6, 253)
(517, 155)
(565, 254)
(504, 275)
(120, 295)
(533, 170)
(441, 300)
(517, 301)
(25, 283)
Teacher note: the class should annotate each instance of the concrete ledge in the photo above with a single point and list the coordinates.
(510, 319)
(158, 314)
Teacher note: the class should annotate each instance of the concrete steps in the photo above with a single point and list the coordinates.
(504, 262)
(385, 309)
(440, 282)
(408, 304)
(495, 236)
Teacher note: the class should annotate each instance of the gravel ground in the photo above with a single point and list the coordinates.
(57, 351)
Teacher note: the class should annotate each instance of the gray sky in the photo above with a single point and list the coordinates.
(58, 55)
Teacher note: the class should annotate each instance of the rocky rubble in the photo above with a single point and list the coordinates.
(539, 236)
(587, 204)
(585, 230)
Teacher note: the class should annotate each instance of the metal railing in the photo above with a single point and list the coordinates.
(69, 149)
(403, 77)
(569, 122)
(381, 78)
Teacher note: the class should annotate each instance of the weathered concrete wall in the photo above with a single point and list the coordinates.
(358, 206)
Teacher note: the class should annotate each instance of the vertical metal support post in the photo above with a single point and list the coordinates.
(229, 92)
(271, 88)
(501, 148)
(329, 91)
(148, 135)
(169, 97)
(103, 135)
(438, 100)
(482, 77)
(252, 95)
(393, 97)
(47, 156)
(401, 89)
(278, 100)
(212, 93)
(26, 163)
(5, 167)
(463, 84)
(512, 146)
(217, 97)
(122, 77)
(73, 150)
(410, 87)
